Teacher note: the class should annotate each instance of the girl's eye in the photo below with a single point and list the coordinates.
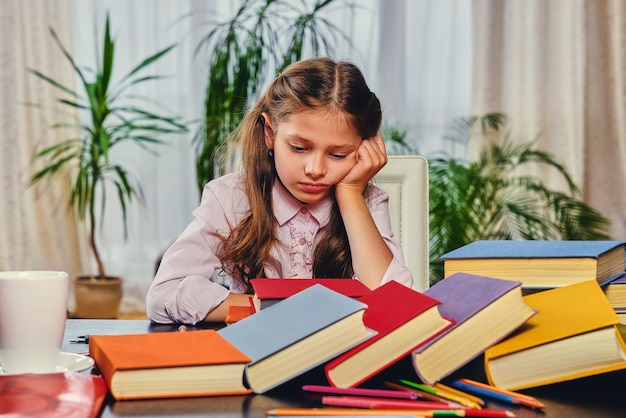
(296, 148)
(338, 156)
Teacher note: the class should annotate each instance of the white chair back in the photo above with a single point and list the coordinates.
(405, 179)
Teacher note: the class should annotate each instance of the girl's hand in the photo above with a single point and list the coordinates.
(370, 158)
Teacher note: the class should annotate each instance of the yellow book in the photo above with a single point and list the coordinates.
(574, 334)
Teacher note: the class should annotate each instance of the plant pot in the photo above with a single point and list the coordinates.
(97, 298)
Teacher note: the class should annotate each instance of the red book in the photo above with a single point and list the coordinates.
(169, 364)
(53, 395)
(403, 319)
(269, 291)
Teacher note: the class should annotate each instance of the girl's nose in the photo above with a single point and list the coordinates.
(315, 167)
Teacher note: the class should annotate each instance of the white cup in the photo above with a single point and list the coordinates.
(33, 310)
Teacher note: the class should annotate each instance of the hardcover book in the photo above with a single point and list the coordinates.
(169, 364)
(615, 292)
(269, 291)
(404, 318)
(51, 395)
(297, 334)
(574, 334)
(539, 264)
(484, 310)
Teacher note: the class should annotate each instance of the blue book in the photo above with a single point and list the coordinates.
(297, 334)
(539, 264)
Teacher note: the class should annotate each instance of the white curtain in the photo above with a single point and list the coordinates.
(558, 69)
(36, 229)
(424, 68)
(416, 55)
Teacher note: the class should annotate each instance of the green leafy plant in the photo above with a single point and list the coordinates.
(261, 39)
(491, 198)
(111, 117)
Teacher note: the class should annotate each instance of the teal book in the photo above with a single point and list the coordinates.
(539, 264)
(297, 334)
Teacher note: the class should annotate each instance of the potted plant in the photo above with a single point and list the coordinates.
(110, 117)
(491, 198)
(262, 38)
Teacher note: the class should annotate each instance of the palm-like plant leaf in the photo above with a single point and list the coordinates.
(489, 199)
(263, 37)
(112, 118)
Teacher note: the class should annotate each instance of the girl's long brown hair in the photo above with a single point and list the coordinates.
(309, 84)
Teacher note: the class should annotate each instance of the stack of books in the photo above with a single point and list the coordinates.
(353, 334)
(575, 288)
(353, 337)
(255, 354)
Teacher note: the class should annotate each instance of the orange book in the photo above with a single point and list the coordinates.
(269, 291)
(236, 313)
(169, 364)
(403, 319)
(52, 395)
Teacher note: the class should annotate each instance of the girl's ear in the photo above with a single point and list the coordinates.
(268, 130)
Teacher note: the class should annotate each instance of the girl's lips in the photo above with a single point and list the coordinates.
(313, 187)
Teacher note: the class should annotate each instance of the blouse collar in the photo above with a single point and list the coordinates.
(286, 206)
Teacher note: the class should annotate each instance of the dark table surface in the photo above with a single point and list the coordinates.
(601, 396)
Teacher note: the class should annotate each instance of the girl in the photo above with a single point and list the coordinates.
(301, 207)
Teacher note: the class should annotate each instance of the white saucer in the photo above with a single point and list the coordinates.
(69, 362)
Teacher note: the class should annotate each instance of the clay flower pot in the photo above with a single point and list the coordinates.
(97, 298)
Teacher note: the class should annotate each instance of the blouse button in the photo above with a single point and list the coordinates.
(302, 241)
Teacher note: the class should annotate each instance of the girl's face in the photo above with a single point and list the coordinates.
(313, 151)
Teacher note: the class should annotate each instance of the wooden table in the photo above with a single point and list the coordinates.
(595, 397)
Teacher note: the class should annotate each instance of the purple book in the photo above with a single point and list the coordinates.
(617, 279)
(485, 310)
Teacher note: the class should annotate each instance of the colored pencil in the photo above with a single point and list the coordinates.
(421, 394)
(379, 393)
(337, 412)
(417, 413)
(525, 400)
(497, 389)
(449, 389)
(490, 393)
(372, 403)
(446, 395)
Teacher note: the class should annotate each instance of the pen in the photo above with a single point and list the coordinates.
(525, 400)
(494, 394)
(382, 393)
(372, 403)
(81, 339)
(438, 392)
